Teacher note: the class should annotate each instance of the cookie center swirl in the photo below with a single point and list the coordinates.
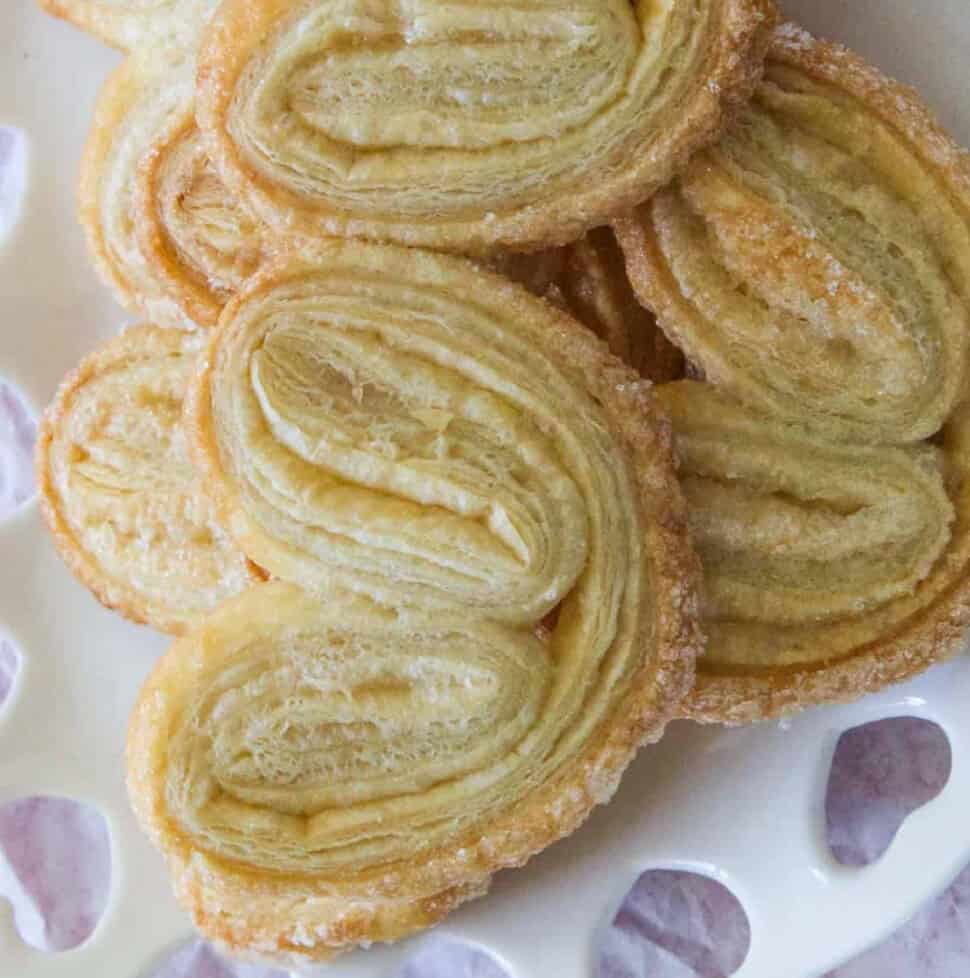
(375, 439)
(455, 75)
(336, 731)
(479, 104)
(469, 503)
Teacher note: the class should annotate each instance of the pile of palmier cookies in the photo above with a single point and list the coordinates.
(514, 378)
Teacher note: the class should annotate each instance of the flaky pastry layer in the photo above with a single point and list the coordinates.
(488, 601)
(466, 127)
(118, 492)
(816, 263)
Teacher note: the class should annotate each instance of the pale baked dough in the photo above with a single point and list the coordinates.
(117, 490)
(131, 24)
(830, 569)
(492, 601)
(467, 126)
(817, 262)
(164, 232)
(588, 279)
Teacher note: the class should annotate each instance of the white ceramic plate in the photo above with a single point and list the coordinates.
(743, 806)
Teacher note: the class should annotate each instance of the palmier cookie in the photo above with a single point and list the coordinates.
(463, 126)
(487, 601)
(816, 263)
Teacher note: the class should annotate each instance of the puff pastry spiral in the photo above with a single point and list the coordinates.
(465, 126)
(830, 569)
(118, 492)
(817, 262)
(487, 601)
